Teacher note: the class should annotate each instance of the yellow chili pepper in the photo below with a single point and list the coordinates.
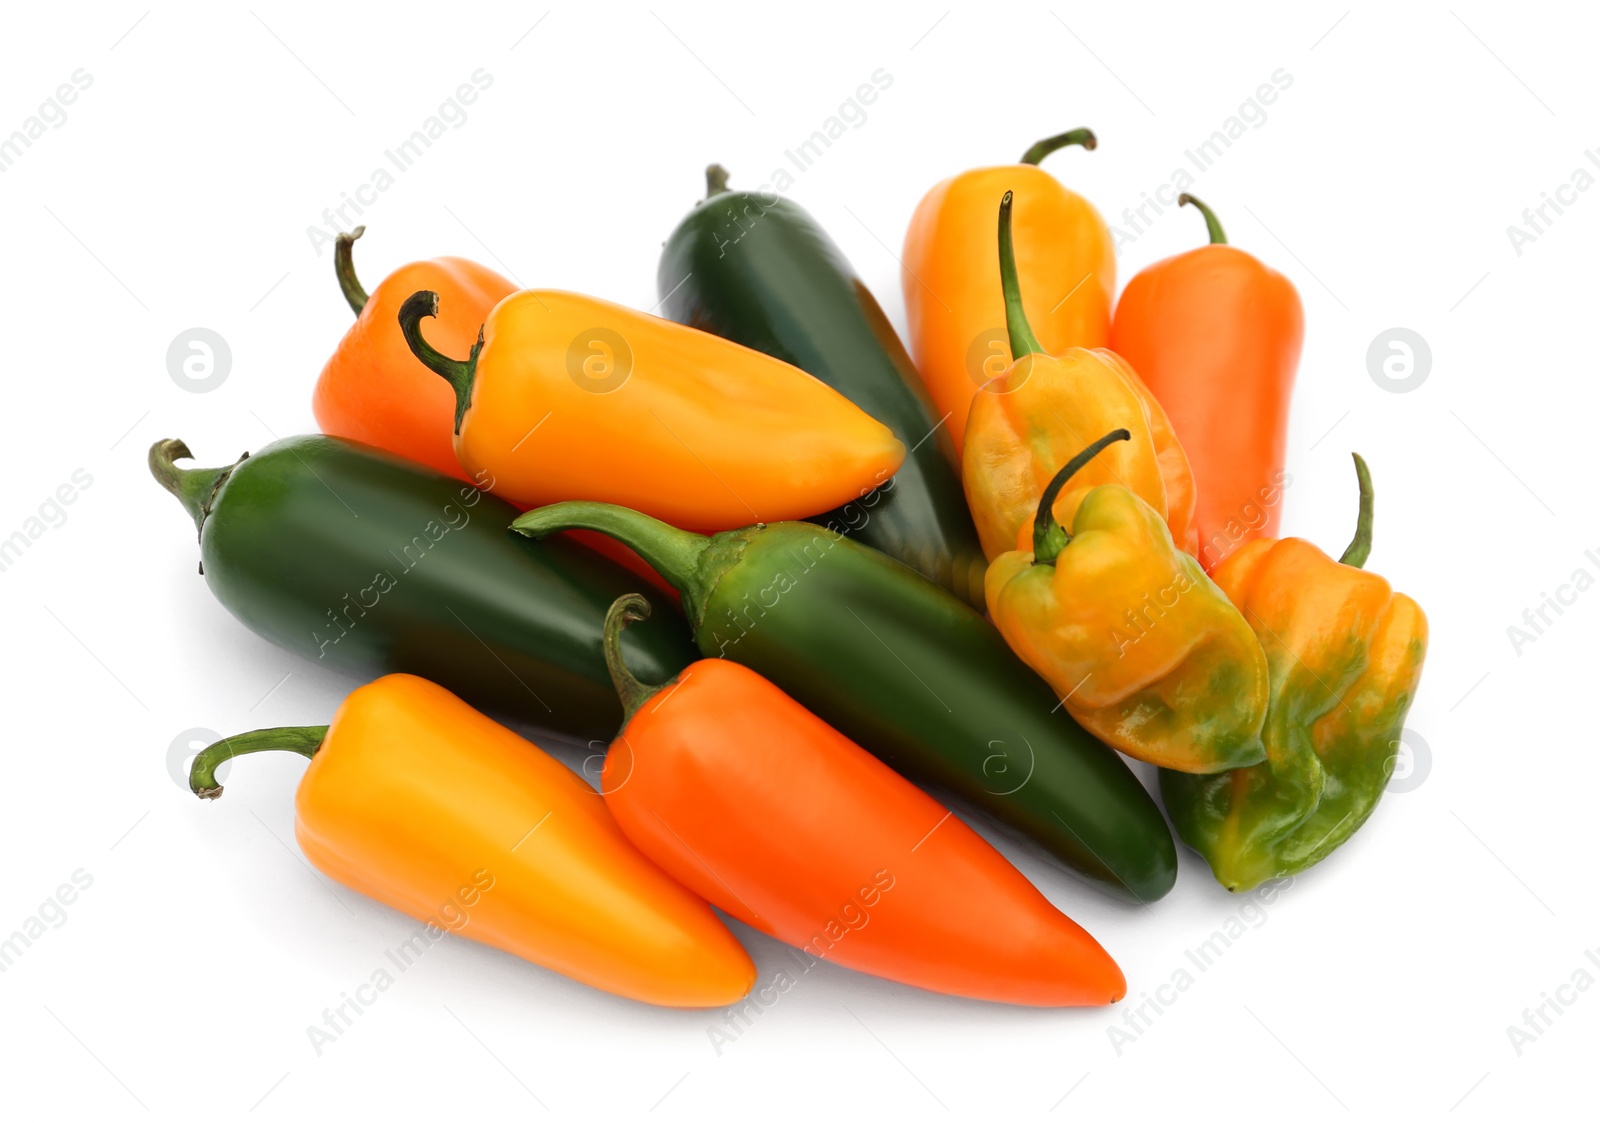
(417, 800)
(1047, 408)
(569, 397)
(1148, 653)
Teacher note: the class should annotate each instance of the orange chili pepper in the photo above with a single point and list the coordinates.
(1216, 336)
(749, 799)
(951, 278)
(373, 390)
(570, 397)
(419, 801)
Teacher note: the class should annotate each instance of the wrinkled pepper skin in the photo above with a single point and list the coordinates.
(951, 278)
(1216, 336)
(366, 563)
(569, 397)
(1150, 656)
(754, 803)
(373, 389)
(1045, 409)
(1345, 656)
(415, 799)
(761, 272)
(911, 674)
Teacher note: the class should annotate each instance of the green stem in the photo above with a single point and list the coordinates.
(1360, 546)
(1213, 224)
(1022, 338)
(344, 267)
(673, 553)
(1049, 536)
(716, 180)
(196, 488)
(302, 739)
(457, 372)
(634, 694)
(1038, 152)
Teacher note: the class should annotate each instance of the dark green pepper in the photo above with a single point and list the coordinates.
(759, 271)
(909, 672)
(370, 564)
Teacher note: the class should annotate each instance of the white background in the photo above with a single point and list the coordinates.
(178, 193)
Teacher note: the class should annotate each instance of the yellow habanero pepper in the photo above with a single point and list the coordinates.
(1148, 653)
(1044, 410)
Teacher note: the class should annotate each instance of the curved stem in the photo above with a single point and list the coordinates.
(1213, 224)
(716, 180)
(673, 553)
(1039, 151)
(1360, 546)
(344, 267)
(196, 488)
(1049, 536)
(457, 372)
(634, 694)
(1022, 338)
(302, 739)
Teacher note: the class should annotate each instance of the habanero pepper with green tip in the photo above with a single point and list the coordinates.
(1147, 652)
(909, 672)
(1344, 652)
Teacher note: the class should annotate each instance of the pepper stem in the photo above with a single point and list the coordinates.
(1039, 151)
(1360, 546)
(457, 372)
(1049, 536)
(1022, 338)
(633, 693)
(196, 488)
(716, 180)
(302, 739)
(344, 267)
(673, 553)
(1213, 224)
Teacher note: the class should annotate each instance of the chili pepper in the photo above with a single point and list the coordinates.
(569, 397)
(363, 562)
(1149, 655)
(909, 672)
(1216, 336)
(759, 270)
(1045, 409)
(1344, 653)
(373, 390)
(415, 799)
(742, 795)
(952, 283)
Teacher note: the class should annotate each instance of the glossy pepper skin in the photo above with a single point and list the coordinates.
(1216, 336)
(1345, 655)
(1044, 410)
(951, 279)
(360, 561)
(748, 799)
(761, 272)
(569, 397)
(911, 674)
(373, 389)
(415, 799)
(1150, 656)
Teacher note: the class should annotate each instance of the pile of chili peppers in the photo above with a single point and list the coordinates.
(794, 576)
